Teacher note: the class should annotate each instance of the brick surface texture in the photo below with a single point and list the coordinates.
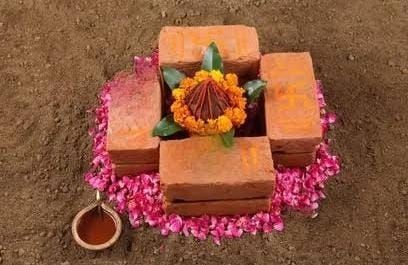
(294, 159)
(291, 107)
(183, 48)
(134, 111)
(201, 168)
(222, 207)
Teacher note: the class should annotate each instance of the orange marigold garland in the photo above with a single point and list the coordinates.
(210, 103)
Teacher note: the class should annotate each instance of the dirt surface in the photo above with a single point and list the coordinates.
(55, 55)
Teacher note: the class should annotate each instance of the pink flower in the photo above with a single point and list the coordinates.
(278, 226)
(176, 223)
(331, 117)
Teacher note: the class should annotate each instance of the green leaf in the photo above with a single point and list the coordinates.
(254, 89)
(212, 59)
(228, 138)
(166, 127)
(172, 77)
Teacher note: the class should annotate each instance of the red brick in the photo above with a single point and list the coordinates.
(134, 169)
(134, 110)
(291, 106)
(183, 47)
(222, 207)
(201, 169)
(294, 159)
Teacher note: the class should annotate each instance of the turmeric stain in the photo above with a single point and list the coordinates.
(244, 160)
(253, 150)
(249, 158)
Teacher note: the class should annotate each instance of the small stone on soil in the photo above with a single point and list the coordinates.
(43, 234)
(50, 234)
(21, 252)
(404, 71)
(163, 14)
(391, 63)
(66, 227)
(351, 57)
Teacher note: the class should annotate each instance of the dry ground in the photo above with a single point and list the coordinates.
(55, 55)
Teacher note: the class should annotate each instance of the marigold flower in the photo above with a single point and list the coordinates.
(224, 124)
(201, 75)
(179, 93)
(236, 115)
(231, 79)
(190, 122)
(217, 75)
(187, 83)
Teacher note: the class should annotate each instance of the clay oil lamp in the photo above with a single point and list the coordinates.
(97, 226)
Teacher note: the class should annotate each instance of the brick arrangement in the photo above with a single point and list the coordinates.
(292, 113)
(199, 175)
(134, 110)
(207, 171)
(183, 48)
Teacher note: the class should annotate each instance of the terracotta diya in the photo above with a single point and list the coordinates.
(97, 226)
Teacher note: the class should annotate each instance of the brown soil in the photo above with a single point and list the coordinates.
(55, 55)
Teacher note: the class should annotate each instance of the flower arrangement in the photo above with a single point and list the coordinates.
(140, 197)
(210, 102)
